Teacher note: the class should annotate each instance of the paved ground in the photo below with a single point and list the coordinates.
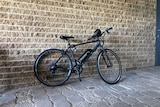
(137, 88)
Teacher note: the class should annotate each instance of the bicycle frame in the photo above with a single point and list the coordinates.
(70, 48)
(61, 65)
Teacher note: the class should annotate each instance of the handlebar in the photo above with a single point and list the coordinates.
(98, 33)
(107, 30)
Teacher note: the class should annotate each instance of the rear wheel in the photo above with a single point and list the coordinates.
(53, 67)
(109, 66)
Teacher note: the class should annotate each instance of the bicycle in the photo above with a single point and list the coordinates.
(53, 67)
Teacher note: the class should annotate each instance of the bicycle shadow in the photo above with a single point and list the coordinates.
(5, 69)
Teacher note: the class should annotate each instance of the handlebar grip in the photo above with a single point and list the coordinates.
(107, 30)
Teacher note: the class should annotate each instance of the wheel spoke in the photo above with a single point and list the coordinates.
(52, 67)
(108, 66)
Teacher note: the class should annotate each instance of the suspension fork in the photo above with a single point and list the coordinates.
(108, 61)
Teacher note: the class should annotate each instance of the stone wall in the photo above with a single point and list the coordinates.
(27, 27)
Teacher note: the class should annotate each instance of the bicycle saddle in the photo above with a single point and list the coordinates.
(66, 37)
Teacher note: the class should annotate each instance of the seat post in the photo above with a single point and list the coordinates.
(68, 43)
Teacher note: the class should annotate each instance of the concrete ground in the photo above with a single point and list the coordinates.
(137, 88)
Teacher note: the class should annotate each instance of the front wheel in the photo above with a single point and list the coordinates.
(53, 67)
(109, 66)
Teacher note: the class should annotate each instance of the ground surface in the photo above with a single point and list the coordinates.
(137, 88)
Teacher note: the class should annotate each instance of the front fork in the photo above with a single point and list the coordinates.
(106, 59)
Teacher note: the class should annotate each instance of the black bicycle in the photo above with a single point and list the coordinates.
(53, 67)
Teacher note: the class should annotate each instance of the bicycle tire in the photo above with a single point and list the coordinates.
(53, 67)
(109, 66)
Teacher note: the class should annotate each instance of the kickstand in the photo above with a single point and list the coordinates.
(79, 75)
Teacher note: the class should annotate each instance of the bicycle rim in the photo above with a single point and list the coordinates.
(53, 67)
(109, 66)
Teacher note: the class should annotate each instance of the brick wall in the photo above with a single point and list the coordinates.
(27, 27)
